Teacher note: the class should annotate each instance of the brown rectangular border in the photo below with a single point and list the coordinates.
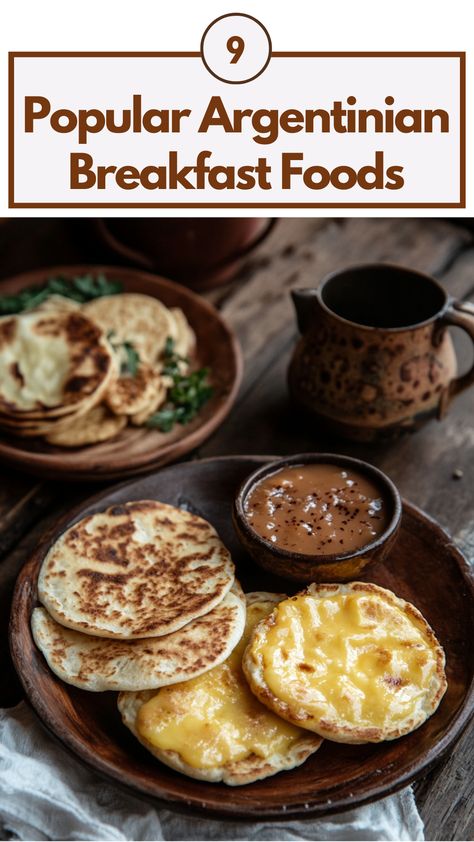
(216, 205)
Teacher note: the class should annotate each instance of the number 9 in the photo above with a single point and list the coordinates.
(236, 46)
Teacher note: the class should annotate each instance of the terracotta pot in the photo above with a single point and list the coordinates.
(201, 253)
(375, 357)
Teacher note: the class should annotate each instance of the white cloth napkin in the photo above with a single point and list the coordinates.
(45, 793)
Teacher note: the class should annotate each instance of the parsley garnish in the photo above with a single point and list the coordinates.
(129, 356)
(186, 396)
(81, 289)
(131, 362)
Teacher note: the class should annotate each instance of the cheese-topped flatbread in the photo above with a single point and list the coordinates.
(352, 663)
(213, 728)
(50, 363)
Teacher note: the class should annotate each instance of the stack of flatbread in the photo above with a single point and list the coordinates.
(142, 598)
(63, 366)
(137, 597)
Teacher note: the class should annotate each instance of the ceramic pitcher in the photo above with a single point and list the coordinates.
(375, 356)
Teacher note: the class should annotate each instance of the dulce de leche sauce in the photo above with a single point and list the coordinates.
(317, 509)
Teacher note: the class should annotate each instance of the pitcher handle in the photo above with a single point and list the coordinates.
(459, 314)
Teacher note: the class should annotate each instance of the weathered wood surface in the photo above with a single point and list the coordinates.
(257, 304)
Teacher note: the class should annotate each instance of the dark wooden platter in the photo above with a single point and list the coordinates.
(136, 449)
(424, 567)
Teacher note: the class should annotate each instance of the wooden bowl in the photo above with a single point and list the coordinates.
(137, 450)
(423, 567)
(330, 567)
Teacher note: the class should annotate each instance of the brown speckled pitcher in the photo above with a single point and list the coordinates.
(375, 356)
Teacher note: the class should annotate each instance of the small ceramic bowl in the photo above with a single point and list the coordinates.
(300, 567)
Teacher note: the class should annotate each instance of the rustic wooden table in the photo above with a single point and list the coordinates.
(299, 252)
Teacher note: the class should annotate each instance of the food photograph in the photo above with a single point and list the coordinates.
(237, 534)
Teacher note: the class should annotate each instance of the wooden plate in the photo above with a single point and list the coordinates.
(138, 450)
(424, 567)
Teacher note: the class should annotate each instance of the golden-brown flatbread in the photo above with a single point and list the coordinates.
(352, 663)
(98, 664)
(140, 320)
(98, 424)
(139, 569)
(50, 363)
(130, 395)
(138, 419)
(185, 338)
(215, 721)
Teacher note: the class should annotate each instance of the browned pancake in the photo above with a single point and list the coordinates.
(97, 664)
(51, 363)
(142, 569)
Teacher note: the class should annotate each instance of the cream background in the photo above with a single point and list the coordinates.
(150, 25)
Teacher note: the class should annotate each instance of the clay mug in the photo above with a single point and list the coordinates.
(375, 356)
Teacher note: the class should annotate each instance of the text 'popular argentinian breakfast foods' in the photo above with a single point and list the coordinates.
(212, 727)
(317, 509)
(352, 663)
(80, 360)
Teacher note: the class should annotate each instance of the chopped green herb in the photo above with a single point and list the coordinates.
(169, 348)
(172, 360)
(163, 420)
(131, 362)
(187, 394)
(82, 288)
(129, 356)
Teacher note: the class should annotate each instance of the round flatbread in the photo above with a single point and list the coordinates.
(215, 721)
(141, 569)
(352, 663)
(142, 321)
(158, 399)
(98, 424)
(58, 302)
(131, 395)
(89, 411)
(50, 363)
(185, 338)
(98, 664)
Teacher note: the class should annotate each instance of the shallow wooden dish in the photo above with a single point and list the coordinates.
(423, 567)
(137, 450)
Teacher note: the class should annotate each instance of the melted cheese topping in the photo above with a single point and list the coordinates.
(215, 719)
(42, 362)
(352, 659)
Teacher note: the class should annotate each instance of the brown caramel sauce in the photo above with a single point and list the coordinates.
(317, 509)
